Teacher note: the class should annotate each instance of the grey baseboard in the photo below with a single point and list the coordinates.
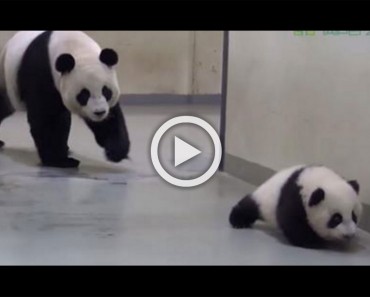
(256, 174)
(250, 172)
(157, 99)
(365, 219)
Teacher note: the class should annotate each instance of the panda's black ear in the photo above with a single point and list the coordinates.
(109, 57)
(316, 197)
(354, 184)
(65, 63)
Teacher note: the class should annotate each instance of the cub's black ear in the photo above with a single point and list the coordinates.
(109, 57)
(317, 196)
(65, 63)
(354, 184)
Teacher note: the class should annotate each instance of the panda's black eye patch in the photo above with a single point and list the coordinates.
(335, 220)
(107, 93)
(354, 217)
(83, 97)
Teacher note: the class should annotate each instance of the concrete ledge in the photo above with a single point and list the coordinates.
(252, 173)
(256, 174)
(365, 220)
(148, 99)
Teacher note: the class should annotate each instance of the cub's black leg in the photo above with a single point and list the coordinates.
(244, 214)
(112, 135)
(299, 234)
(50, 133)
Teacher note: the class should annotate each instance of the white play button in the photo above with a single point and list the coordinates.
(184, 151)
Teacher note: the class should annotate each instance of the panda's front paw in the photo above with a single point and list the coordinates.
(116, 152)
(71, 163)
(65, 163)
(115, 155)
(2, 143)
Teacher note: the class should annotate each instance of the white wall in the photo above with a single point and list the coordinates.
(294, 99)
(163, 62)
(151, 61)
(207, 67)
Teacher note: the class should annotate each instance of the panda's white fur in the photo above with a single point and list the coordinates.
(88, 70)
(10, 60)
(266, 203)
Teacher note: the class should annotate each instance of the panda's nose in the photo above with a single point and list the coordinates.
(99, 113)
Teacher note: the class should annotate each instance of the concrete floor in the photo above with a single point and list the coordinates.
(105, 214)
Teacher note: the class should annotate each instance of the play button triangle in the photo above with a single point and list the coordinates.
(184, 151)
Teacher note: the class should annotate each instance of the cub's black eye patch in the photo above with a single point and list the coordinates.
(107, 93)
(83, 97)
(335, 220)
(354, 217)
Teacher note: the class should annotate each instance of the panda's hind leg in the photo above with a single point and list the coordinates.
(50, 134)
(6, 110)
(244, 214)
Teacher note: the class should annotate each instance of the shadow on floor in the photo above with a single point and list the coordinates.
(89, 168)
(353, 246)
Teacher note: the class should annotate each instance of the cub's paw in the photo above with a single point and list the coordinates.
(244, 214)
(65, 163)
(238, 219)
(2, 143)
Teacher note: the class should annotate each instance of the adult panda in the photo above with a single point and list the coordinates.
(311, 205)
(51, 74)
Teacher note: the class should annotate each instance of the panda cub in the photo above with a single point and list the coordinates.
(311, 205)
(51, 74)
